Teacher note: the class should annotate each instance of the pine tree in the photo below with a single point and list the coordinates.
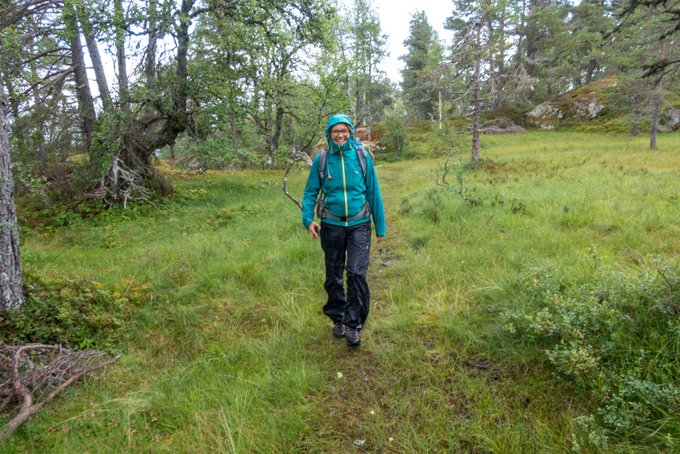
(418, 83)
(368, 50)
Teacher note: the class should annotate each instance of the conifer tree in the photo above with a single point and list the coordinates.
(418, 84)
(367, 51)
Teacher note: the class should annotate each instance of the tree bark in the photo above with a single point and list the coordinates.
(13, 102)
(88, 115)
(11, 280)
(150, 64)
(234, 131)
(592, 66)
(656, 101)
(531, 35)
(477, 102)
(177, 120)
(440, 109)
(123, 85)
(276, 136)
(635, 124)
(656, 107)
(39, 138)
(634, 129)
(498, 60)
(93, 50)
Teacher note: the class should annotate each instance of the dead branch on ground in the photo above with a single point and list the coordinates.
(31, 375)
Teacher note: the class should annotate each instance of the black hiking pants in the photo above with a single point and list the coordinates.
(347, 249)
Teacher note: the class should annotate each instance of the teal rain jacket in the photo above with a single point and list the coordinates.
(344, 187)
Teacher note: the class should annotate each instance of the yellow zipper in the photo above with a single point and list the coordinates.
(344, 187)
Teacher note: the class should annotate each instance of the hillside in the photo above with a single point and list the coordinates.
(603, 105)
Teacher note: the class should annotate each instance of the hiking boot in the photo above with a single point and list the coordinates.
(352, 336)
(339, 329)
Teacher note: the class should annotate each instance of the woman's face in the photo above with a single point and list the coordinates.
(340, 133)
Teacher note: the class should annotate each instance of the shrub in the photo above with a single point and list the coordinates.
(71, 312)
(616, 334)
(394, 137)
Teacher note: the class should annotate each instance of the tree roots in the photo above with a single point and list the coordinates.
(121, 183)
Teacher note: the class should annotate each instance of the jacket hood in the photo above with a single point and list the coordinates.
(334, 120)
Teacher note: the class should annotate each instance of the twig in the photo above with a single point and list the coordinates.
(296, 156)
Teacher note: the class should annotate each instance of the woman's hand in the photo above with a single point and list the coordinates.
(314, 229)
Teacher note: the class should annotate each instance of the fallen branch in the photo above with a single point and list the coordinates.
(31, 375)
(477, 364)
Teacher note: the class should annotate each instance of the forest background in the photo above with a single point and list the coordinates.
(243, 87)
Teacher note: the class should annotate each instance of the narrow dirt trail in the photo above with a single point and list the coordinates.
(373, 400)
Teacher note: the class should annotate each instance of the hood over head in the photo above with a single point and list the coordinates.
(334, 120)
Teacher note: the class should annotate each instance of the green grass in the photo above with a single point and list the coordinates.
(231, 352)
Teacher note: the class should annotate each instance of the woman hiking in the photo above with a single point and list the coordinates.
(350, 197)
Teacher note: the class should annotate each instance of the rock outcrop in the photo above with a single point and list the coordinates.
(585, 103)
(549, 114)
(671, 119)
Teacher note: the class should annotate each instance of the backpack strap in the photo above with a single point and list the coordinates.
(322, 212)
(361, 157)
(323, 163)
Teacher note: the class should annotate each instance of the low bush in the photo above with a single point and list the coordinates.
(74, 313)
(395, 133)
(615, 333)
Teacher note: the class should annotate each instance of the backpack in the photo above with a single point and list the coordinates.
(321, 209)
(323, 161)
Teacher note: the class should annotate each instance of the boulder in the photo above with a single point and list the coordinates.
(501, 125)
(545, 115)
(579, 106)
(514, 129)
(588, 108)
(671, 119)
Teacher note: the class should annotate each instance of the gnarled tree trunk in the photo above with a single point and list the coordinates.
(131, 173)
(121, 58)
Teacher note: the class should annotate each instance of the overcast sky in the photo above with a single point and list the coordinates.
(395, 16)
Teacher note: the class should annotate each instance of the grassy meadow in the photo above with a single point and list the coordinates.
(225, 349)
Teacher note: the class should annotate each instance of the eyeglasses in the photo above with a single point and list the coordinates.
(340, 132)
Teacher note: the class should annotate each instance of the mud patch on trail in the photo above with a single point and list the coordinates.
(385, 262)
